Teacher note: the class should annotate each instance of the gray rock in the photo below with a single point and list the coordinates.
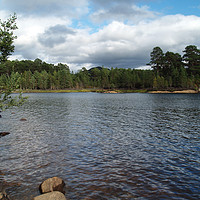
(51, 196)
(52, 184)
(4, 134)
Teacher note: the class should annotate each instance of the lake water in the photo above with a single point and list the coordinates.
(104, 146)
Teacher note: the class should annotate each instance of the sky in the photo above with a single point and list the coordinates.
(110, 33)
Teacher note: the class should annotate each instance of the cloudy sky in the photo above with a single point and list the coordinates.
(113, 33)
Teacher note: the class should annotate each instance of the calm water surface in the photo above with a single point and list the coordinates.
(105, 146)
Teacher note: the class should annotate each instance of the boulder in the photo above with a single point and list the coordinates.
(3, 196)
(4, 134)
(51, 196)
(52, 184)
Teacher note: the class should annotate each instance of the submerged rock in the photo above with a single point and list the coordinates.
(52, 184)
(23, 119)
(4, 134)
(51, 196)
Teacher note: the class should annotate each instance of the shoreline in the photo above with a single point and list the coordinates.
(107, 91)
(174, 92)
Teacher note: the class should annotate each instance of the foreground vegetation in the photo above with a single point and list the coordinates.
(7, 48)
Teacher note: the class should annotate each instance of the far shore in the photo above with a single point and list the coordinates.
(109, 91)
(114, 91)
(174, 92)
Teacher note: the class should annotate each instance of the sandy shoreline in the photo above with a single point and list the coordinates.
(174, 92)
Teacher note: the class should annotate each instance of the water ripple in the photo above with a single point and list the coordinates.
(122, 146)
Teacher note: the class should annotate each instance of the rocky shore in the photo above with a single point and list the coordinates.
(50, 189)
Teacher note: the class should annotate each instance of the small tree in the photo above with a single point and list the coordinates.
(7, 37)
(6, 48)
(6, 100)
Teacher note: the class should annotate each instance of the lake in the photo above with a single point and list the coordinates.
(104, 146)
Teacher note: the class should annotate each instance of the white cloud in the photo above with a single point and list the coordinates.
(145, 67)
(53, 37)
(117, 44)
(29, 30)
(4, 15)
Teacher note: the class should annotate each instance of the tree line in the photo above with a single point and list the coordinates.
(27, 74)
(169, 71)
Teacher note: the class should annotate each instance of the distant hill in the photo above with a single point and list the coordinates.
(99, 68)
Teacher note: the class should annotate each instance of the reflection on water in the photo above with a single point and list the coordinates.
(105, 146)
